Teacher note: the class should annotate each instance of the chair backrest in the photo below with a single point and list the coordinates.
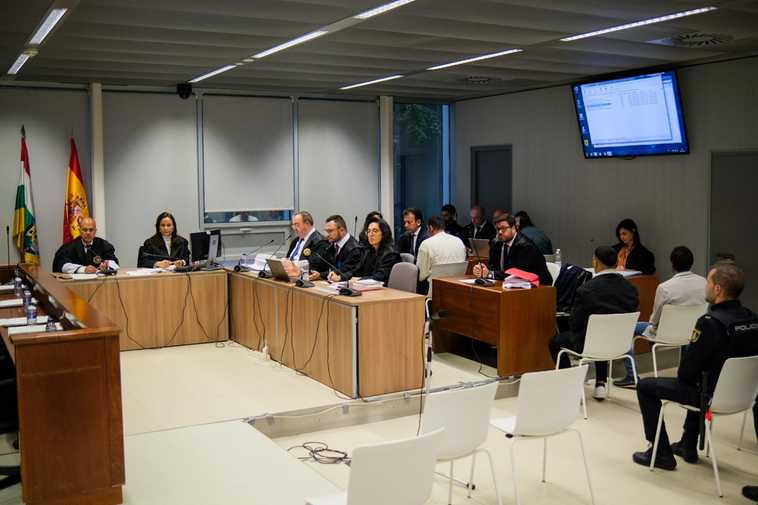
(737, 386)
(398, 472)
(140, 251)
(407, 258)
(465, 416)
(554, 269)
(446, 270)
(404, 276)
(609, 335)
(677, 322)
(548, 402)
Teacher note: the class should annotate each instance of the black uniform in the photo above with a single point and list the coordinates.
(716, 337)
(347, 260)
(522, 254)
(313, 243)
(377, 265)
(483, 231)
(154, 250)
(75, 252)
(405, 242)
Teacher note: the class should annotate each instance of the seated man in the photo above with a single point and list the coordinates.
(606, 293)
(439, 249)
(479, 226)
(450, 216)
(87, 253)
(342, 252)
(415, 232)
(726, 331)
(541, 240)
(513, 250)
(307, 237)
(684, 288)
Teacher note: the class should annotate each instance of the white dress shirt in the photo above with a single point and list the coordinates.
(74, 268)
(167, 242)
(684, 288)
(440, 249)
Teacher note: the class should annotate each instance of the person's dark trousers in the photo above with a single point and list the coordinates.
(650, 392)
(567, 339)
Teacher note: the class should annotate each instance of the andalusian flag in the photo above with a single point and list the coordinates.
(76, 206)
(24, 224)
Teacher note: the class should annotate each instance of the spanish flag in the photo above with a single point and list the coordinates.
(76, 206)
(24, 224)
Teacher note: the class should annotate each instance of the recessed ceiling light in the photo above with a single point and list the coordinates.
(372, 82)
(249, 60)
(211, 74)
(475, 58)
(382, 9)
(47, 26)
(637, 24)
(22, 58)
(293, 42)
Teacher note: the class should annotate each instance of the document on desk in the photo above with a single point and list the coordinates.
(467, 281)
(20, 321)
(32, 328)
(13, 302)
(83, 277)
(7, 288)
(141, 272)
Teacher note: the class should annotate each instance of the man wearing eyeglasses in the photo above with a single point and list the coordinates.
(513, 250)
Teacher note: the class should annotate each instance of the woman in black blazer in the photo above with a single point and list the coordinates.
(632, 255)
(165, 248)
(380, 255)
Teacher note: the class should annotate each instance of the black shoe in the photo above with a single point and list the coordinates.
(664, 461)
(625, 382)
(687, 454)
(750, 492)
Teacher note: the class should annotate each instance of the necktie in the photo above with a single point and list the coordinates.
(504, 255)
(296, 250)
(413, 243)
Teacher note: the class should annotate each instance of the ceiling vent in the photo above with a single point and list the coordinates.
(479, 80)
(696, 40)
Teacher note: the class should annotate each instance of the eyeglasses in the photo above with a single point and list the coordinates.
(371, 231)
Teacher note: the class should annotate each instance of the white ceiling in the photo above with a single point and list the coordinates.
(163, 42)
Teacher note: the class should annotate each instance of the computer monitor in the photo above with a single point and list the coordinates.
(206, 245)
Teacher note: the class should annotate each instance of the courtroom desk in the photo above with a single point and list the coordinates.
(361, 346)
(646, 286)
(69, 401)
(162, 309)
(519, 322)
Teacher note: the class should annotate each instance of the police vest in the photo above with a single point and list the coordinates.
(741, 331)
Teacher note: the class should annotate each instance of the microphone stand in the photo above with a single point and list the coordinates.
(238, 266)
(265, 275)
(480, 281)
(347, 291)
(8, 242)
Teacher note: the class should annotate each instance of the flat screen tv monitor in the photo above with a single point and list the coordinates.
(639, 115)
(206, 245)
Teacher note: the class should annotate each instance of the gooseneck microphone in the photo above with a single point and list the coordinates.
(265, 275)
(355, 227)
(8, 241)
(480, 281)
(346, 291)
(238, 266)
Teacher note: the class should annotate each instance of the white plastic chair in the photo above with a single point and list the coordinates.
(735, 392)
(401, 471)
(446, 270)
(554, 269)
(609, 337)
(464, 414)
(675, 328)
(403, 276)
(548, 404)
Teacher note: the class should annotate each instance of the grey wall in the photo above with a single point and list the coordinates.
(578, 202)
(50, 117)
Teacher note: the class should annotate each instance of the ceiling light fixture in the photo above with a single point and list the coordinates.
(382, 9)
(476, 58)
(293, 42)
(637, 24)
(47, 26)
(22, 58)
(372, 82)
(211, 74)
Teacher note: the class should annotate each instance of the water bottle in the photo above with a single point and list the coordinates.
(305, 269)
(50, 326)
(27, 298)
(31, 314)
(558, 257)
(243, 259)
(18, 287)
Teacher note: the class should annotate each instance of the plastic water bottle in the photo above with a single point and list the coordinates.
(243, 259)
(558, 257)
(18, 287)
(31, 314)
(27, 298)
(305, 269)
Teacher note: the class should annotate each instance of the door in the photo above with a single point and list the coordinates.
(491, 177)
(734, 177)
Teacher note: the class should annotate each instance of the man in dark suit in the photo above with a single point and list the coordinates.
(450, 216)
(343, 251)
(606, 293)
(513, 250)
(308, 238)
(87, 253)
(479, 227)
(415, 232)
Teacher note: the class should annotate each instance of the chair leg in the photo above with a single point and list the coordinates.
(584, 402)
(558, 359)
(657, 437)
(714, 462)
(586, 468)
(544, 458)
(742, 432)
(609, 379)
(494, 480)
(655, 361)
(450, 487)
(634, 367)
(470, 483)
(513, 472)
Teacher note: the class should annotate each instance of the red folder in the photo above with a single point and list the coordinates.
(533, 279)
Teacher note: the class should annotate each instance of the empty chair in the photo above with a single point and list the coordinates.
(407, 258)
(464, 414)
(554, 269)
(404, 276)
(398, 472)
(609, 337)
(675, 327)
(548, 404)
(735, 392)
(446, 270)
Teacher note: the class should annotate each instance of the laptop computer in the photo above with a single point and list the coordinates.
(277, 270)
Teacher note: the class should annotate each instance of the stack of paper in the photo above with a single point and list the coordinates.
(7, 288)
(13, 302)
(32, 328)
(366, 285)
(20, 321)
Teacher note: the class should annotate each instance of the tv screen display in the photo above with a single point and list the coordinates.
(640, 115)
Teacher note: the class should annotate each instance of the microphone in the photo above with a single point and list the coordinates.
(265, 275)
(97, 260)
(355, 227)
(238, 266)
(8, 240)
(480, 281)
(346, 291)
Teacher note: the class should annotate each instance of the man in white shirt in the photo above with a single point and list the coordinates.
(439, 248)
(684, 288)
(87, 253)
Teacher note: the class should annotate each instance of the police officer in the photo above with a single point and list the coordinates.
(727, 330)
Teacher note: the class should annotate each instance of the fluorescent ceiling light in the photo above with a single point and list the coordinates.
(211, 74)
(19, 63)
(476, 58)
(293, 42)
(372, 82)
(382, 9)
(640, 23)
(47, 26)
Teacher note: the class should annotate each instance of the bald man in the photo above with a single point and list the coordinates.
(87, 253)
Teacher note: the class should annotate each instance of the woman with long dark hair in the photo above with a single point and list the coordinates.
(380, 255)
(632, 255)
(165, 248)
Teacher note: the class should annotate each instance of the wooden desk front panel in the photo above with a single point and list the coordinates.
(473, 311)
(252, 319)
(527, 324)
(646, 285)
(161, 310)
